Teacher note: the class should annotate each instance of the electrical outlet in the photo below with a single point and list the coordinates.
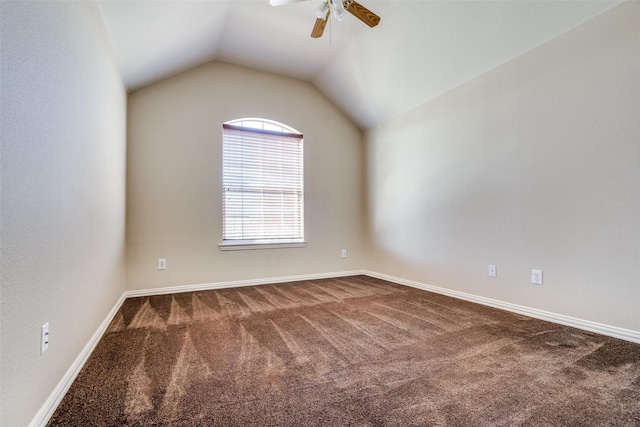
(536, 277)
(344, 253)
(44, 337)
(162, 264)
(493, 271)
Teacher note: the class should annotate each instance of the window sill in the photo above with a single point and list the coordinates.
(253, 246)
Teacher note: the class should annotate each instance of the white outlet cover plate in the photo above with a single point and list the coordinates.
(44, 337)
(536, 277)
(493, 271)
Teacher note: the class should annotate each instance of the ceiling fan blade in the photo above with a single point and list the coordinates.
(318, 28)
(283, 2)
(363, 14)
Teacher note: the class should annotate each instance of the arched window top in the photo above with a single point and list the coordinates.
(263, 124)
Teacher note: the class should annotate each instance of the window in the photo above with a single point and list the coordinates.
(262, 180)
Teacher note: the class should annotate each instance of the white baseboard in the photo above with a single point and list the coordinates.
(50, 405)
(237, 283)
(599, 328)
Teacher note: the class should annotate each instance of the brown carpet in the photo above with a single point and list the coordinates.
(352, 351)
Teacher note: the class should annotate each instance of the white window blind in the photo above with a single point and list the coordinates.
(262, 174)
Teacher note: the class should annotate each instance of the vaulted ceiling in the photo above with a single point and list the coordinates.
(419, 50)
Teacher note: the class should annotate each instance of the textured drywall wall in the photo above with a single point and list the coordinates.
(532, 165)
(63, 192)
(174, 178)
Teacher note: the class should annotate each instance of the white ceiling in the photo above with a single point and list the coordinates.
(419, 50)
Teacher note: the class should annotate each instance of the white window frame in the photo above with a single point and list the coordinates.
(236, 182)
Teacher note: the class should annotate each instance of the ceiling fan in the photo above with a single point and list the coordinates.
(339, 9)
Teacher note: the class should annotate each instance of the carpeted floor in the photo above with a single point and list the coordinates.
(352, 351)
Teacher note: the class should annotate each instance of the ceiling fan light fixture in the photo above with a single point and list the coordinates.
(338, 9)
(322, 11)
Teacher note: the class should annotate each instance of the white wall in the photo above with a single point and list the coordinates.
(175, 182)
(63, 192)
(535, 164)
